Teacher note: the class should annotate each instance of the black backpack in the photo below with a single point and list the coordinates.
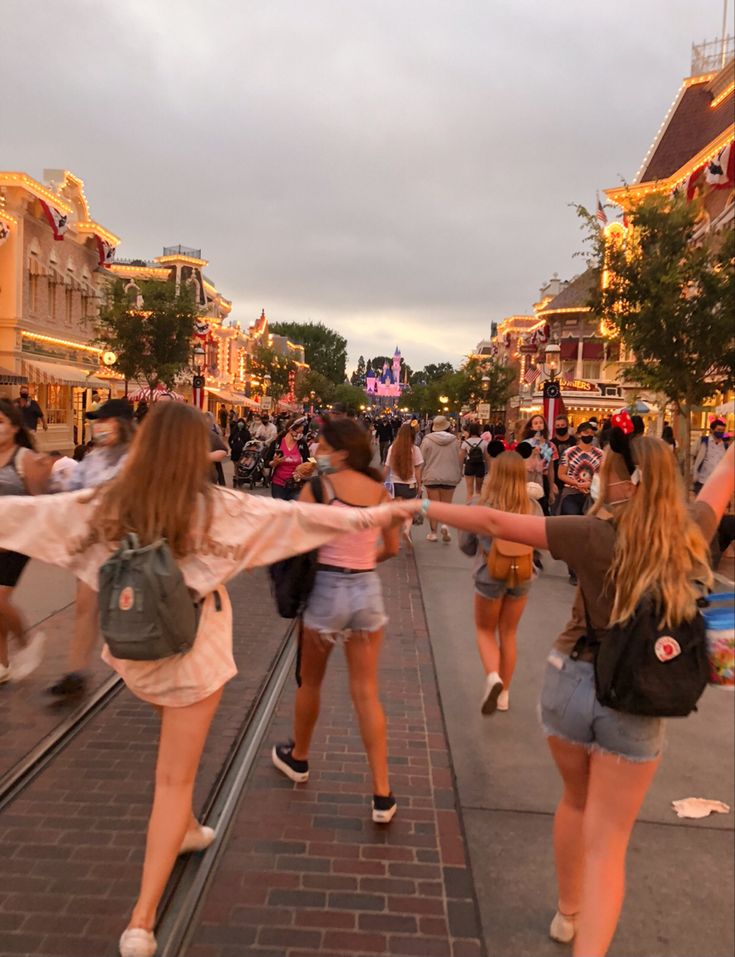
(643, 669)
(292, 579)
(475, 457)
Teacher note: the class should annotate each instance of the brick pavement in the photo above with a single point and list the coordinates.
(306, 872)
(27, 713)
(72, 843)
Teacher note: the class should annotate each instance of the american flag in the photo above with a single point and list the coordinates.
(601, 215)
(532, 373)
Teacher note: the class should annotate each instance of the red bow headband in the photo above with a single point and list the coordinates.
(622, 420)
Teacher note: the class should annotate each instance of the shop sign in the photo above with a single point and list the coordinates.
(515, 401)
(579, 385)
(483, 410)
(266, 402)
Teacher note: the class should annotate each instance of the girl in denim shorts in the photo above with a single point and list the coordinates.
(346, 602)
(643, 540)
(499, 603)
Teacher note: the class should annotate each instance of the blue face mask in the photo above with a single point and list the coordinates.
(324, 464)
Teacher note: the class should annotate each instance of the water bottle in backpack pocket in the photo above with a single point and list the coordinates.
(146, 609)
(719, 618)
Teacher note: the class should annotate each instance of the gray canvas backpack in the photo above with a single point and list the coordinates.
(146, 610)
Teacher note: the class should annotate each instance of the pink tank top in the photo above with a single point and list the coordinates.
(352, 550)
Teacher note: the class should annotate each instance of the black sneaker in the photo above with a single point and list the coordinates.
(282, 758)
(72, 684)
(384, 808)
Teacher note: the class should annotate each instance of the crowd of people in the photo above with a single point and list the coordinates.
(606, 500)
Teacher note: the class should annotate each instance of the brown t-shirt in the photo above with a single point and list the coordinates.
(587, 543)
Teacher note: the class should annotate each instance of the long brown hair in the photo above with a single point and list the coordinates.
(659, 550)
(505, 487)
(160, 490)
(401, 454)
(346, 435)
(12, 413)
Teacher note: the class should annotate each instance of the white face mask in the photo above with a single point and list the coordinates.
(103, 433)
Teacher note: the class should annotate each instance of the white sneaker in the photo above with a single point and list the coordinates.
(29, 658)
(504, 700)
(493, 688)
(198, 839)
(446, 537)
(136, 942)
(432, 537)
(5, 674)
(562, 928)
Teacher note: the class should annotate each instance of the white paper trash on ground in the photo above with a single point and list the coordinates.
(699, 807)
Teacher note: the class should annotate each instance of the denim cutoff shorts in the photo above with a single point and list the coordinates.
(496, 588)
(570, 710)
(340, 604)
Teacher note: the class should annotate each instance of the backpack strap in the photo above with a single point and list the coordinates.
(318, 484)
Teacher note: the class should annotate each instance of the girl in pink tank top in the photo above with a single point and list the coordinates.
(346, 602)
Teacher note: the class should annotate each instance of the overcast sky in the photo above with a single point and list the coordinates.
(399, 169)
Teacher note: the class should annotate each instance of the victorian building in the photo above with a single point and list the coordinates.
(51, 282)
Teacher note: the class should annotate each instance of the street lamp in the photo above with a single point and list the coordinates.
(197, 382)
(552, 360)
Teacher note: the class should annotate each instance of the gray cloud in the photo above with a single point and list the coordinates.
(401, 170)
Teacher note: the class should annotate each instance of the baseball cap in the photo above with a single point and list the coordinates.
(112, 409)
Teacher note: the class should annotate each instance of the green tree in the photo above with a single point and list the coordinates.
(266, 361)
(351, 396)
(151, 336)
(313, 381)
(671, 300)
(358, 376)
(324, 349)
(432, 372)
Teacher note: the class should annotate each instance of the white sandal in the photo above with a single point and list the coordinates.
(197, 840)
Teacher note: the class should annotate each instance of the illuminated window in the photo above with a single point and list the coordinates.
(56, 412)
(590, 370)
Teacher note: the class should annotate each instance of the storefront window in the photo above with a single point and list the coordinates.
(56, 404)
(590, 371)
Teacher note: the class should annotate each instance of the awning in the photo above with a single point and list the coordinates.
(568, 348)
(57, 374)
(593, 351)
(233, 398)
(11, 378)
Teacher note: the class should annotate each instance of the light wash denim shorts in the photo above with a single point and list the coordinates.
(496, 588)
(570, 710)
(340, 604)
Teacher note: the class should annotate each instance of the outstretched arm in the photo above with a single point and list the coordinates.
(720, 486)
(526, 529)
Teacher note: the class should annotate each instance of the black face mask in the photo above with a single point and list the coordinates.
(562, 431)
(719, 435)
(24, 395)
(586, 439)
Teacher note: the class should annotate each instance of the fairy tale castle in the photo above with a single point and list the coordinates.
(388, 382)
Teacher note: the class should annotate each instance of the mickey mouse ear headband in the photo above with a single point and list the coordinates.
(622, 429)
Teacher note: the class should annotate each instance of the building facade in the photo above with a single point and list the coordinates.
(51, 284)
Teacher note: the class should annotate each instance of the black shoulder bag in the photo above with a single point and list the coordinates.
(292, 579)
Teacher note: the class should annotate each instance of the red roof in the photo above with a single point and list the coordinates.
(691, 128)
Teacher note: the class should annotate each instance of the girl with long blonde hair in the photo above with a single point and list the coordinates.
(404, 464)
(164, 492)
(499, 603)
(642, 541)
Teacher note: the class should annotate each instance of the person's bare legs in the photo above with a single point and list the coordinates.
(572, 761)
(362, 651)
(12, 620)
(86, 628)
(511, 610)
(315, 652)
(478, 484)
(487, 614)
(433, 495)
(615, 792)
(469, 481)
(183, 733)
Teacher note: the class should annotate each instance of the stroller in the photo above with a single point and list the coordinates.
(249, 469)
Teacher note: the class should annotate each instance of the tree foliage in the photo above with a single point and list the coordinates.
(351, 396)
(313, 381)
(265, 361)
(358, 376)
(670, 299)
(461, 387)
(432, 372)
(151, 336)
(324, 349)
